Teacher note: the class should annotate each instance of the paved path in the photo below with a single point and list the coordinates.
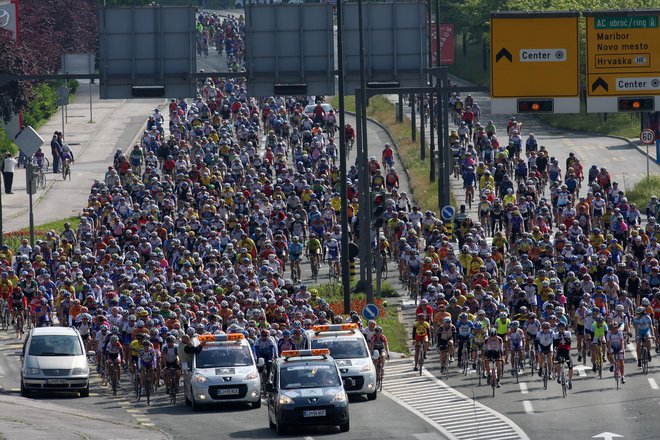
(116, 124)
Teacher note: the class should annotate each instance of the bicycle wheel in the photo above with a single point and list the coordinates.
(147, 388)
(616, 375)
(516, 367)
(545, 376)
(383, 270)
(479, 371)
(46, 164)
(379, 378)
(563, 382)
(113, 379)
(42, 180)
(138, 387)
(645, 360)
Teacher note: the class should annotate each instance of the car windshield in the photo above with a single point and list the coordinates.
(308, 376)
(55, 345)
(342, 347)
(225, 355)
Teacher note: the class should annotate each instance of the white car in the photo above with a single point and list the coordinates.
(349, 349)
(224, 370)
(54, 359)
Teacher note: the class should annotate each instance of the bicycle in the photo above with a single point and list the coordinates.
(335, 272)
(66, 169)
(479, 366)
(532, 361)
(148, 385)
(315, 263)
(419, 355)
(562, 376)
(493, 376)
(19, 324)
(644, 357)
(517, 365)
(546, 373)
(465, 359)
(41, 178)
(171, 386)
(617, 371)
(112, 372)
(469, 196)
(380, 372)
(137, 383)
(599, 360)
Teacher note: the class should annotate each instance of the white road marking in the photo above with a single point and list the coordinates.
(453, 414)
(523, 388)
(633, 350)
(423, 436)
(581, 370)
(527, 406)
(653, 383)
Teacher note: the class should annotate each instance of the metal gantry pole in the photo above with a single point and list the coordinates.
(422, 131)
(443, 136)
(432, 135)
(362, 173)
(343, 159)
(413, 122)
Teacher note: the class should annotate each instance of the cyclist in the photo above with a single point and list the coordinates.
(545, 339)
(643, 326)
(616, 341)
(112, 355)
(516, 337)
(446, 334)
(170, 359)
(599, 329)
(421, 330)
(349, 133)
(379, 342)
(147, 359)
(477, 341)
(562, 342)
(314, 250)
(265, 348)
(388, 156)
(494, 349)
(463, 331)
(295, 256)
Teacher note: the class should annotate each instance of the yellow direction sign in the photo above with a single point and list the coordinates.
(623, 53)
(534, 55)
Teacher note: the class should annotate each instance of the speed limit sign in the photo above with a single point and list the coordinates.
(647, 136)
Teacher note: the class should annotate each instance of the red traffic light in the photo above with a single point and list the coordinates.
(378, 200)
(645, 104)
(535, 106)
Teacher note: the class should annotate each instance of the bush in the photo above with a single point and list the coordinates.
(42, 106)
(5, 144)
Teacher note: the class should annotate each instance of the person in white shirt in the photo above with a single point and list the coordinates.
(8, 167)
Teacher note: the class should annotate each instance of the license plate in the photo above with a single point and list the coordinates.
(56, 381)
(228, 392)
(314, 413)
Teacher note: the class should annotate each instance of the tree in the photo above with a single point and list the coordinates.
(14, 59)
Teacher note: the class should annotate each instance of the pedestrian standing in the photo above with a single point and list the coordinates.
(56, 150)
(8, 167)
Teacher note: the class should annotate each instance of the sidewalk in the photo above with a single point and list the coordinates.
(32, 419)
(116, 123)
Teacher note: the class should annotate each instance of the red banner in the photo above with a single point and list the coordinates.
(447, 43)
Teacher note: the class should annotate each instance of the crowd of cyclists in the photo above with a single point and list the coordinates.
(202, 227)
(549, 262)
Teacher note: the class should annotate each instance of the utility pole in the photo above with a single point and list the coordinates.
(343, 158)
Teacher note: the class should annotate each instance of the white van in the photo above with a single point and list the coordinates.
(349, 349)
(224, 370)
(54, 359)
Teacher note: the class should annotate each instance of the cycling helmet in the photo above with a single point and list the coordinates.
(645, 301)
(639, 310)
(478, 325)
(446, 320)
(515, 324)
(171, 338)
(546, 325)
(599, 318)
(503, 315)
(114, 338)
(140, 323)
(561, 324)
(114, 329)
(463, 316)
(492, 332)
(378, 329)
(619, 307)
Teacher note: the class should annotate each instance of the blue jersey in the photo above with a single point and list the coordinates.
(643, 325)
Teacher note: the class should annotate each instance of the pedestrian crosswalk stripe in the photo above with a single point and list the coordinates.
(452, 413)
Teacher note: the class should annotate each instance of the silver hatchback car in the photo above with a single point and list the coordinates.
(54, 359)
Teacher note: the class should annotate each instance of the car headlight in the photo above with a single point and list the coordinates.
(32, 371)
(367, 367)
(252, 376)
(200, 378)
(339, 397)
(285, 400)
(80, 371)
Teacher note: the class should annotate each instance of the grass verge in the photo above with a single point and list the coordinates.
(389, 317)
(13, 239)
(614, 124)
(382, 110)
(643, 190)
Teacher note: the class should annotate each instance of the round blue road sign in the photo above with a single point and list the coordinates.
(370, 311)
(448, 212)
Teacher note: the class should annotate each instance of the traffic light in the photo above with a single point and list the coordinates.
(377, 208)
(636, 104)
(536, 106)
